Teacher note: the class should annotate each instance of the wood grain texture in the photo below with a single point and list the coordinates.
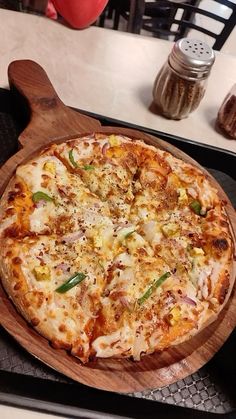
(50, 118)
(51, 121)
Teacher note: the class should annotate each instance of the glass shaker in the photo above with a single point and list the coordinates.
(181, 83)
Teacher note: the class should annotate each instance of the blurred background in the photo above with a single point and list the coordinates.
(212, 21)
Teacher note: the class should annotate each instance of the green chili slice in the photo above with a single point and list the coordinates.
(101, 265)
(71, 282)
(157, 283)
(73, 162)
(88, 167)
(196, 207)
(38, 196)
(71, 158)
(129, 234)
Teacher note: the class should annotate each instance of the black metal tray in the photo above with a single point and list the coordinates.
(26, 382)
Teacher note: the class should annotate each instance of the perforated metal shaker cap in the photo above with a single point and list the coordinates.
(191, 58)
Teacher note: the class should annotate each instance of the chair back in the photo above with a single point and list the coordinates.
(37, 6)
(173, 20)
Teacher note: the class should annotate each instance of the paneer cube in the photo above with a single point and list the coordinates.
(170, 229)
(183, 197)
(42, 273)
(50, 167)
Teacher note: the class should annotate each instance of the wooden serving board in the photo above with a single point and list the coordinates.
(51, 121)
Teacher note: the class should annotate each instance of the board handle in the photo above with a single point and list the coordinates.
(50, 118)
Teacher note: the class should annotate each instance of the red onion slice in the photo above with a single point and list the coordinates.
(41, 260)
(105, 148)
(120, 226)
(63, 266)
(125, 303)
(192, 192)
(189, 301)
(72, 237)
(41, 203)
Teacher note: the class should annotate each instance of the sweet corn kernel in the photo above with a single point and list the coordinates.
(176, 314)
(198, 251)
(113, 140)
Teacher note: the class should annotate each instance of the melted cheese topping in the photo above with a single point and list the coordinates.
(121, 213)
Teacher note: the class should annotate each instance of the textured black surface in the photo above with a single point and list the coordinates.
(9, 129)
(210, 389)
(10, 4)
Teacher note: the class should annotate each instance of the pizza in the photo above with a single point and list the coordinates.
(110, 247)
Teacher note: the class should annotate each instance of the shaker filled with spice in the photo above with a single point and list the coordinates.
(226, 118)
(181, 83)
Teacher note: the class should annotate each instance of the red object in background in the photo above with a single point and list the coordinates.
(80, 13)
(51, 11)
